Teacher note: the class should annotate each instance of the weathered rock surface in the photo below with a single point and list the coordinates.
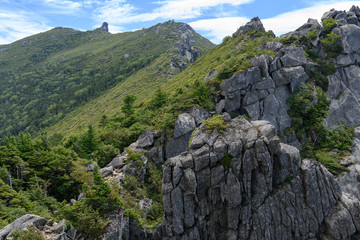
(122, 227)
(304, 30)
(254, 24)
(245, 184)
(22, 223)
(184, 124)
(261, 92)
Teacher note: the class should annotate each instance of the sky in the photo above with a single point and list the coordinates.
(214, 19)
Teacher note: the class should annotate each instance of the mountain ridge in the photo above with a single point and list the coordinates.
(257, 139)
(92, 61)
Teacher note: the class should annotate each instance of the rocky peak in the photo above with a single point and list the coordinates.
(310, 25)
(104, 27)
(254, 24)
(245, 184)
(342, 17)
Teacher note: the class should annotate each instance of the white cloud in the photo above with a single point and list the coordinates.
(218, 28)
(119, 12)
(14, 26)
(186, 9)
(290, 21)
(64, 6)
(114, 12)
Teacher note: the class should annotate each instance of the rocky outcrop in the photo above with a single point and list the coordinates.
(245, 184)
(305, 29)
(254, 24)
(22, 223)
(261, 92)
(343, 88)
(104, 27)
(124, 228)
(48, 229)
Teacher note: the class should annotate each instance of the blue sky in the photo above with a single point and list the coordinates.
(214, 19)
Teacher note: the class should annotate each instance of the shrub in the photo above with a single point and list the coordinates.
(131, 183)
(128, 102)
(256, 33)
(226, 39)
(288, 41)
(329, 162)
(100, 196)
(340, 137)
(308, 113)
(133, 155)
(158, 100)
(328, 25)
(155, 212)
(85, 219)
(105, 153)
(312, 35)
(332, 44)
(132, 213)
(201, 92)
(216, 122)
(30, 234)
(226, 161)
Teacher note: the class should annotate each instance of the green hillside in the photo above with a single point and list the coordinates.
(46, 76)
(225, 59)
(103, 91)
(52, 168)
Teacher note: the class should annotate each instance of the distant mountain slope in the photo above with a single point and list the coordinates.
(45, 76)
(222, 61)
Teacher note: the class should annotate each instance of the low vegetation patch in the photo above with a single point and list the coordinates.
(308, 108)
(216, 122)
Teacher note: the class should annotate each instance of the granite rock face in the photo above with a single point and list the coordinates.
(22, 223)
(254, 24)
(261, 92)
(122, 227)
(245, 184)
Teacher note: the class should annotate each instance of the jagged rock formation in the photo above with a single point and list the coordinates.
(186, 52)
(123, 227)
(343, 89)
(254, 24)
(311, 25)
(58, 231)
(245, 184)
(21, 223)
(261, 92)
(104, 27)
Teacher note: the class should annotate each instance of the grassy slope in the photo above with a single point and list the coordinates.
(46, 76)
(234, 52)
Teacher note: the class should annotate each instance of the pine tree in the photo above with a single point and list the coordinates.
(88, 143)
(128, 108)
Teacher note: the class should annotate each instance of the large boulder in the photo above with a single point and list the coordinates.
(305, 29)
(254, 24)
(123, 227)
(199, 114)
(184, 124)
(146, 139)
(22, 223)
(350, 35)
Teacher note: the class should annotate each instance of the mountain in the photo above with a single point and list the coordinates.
(46, 76)
(256, 139)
